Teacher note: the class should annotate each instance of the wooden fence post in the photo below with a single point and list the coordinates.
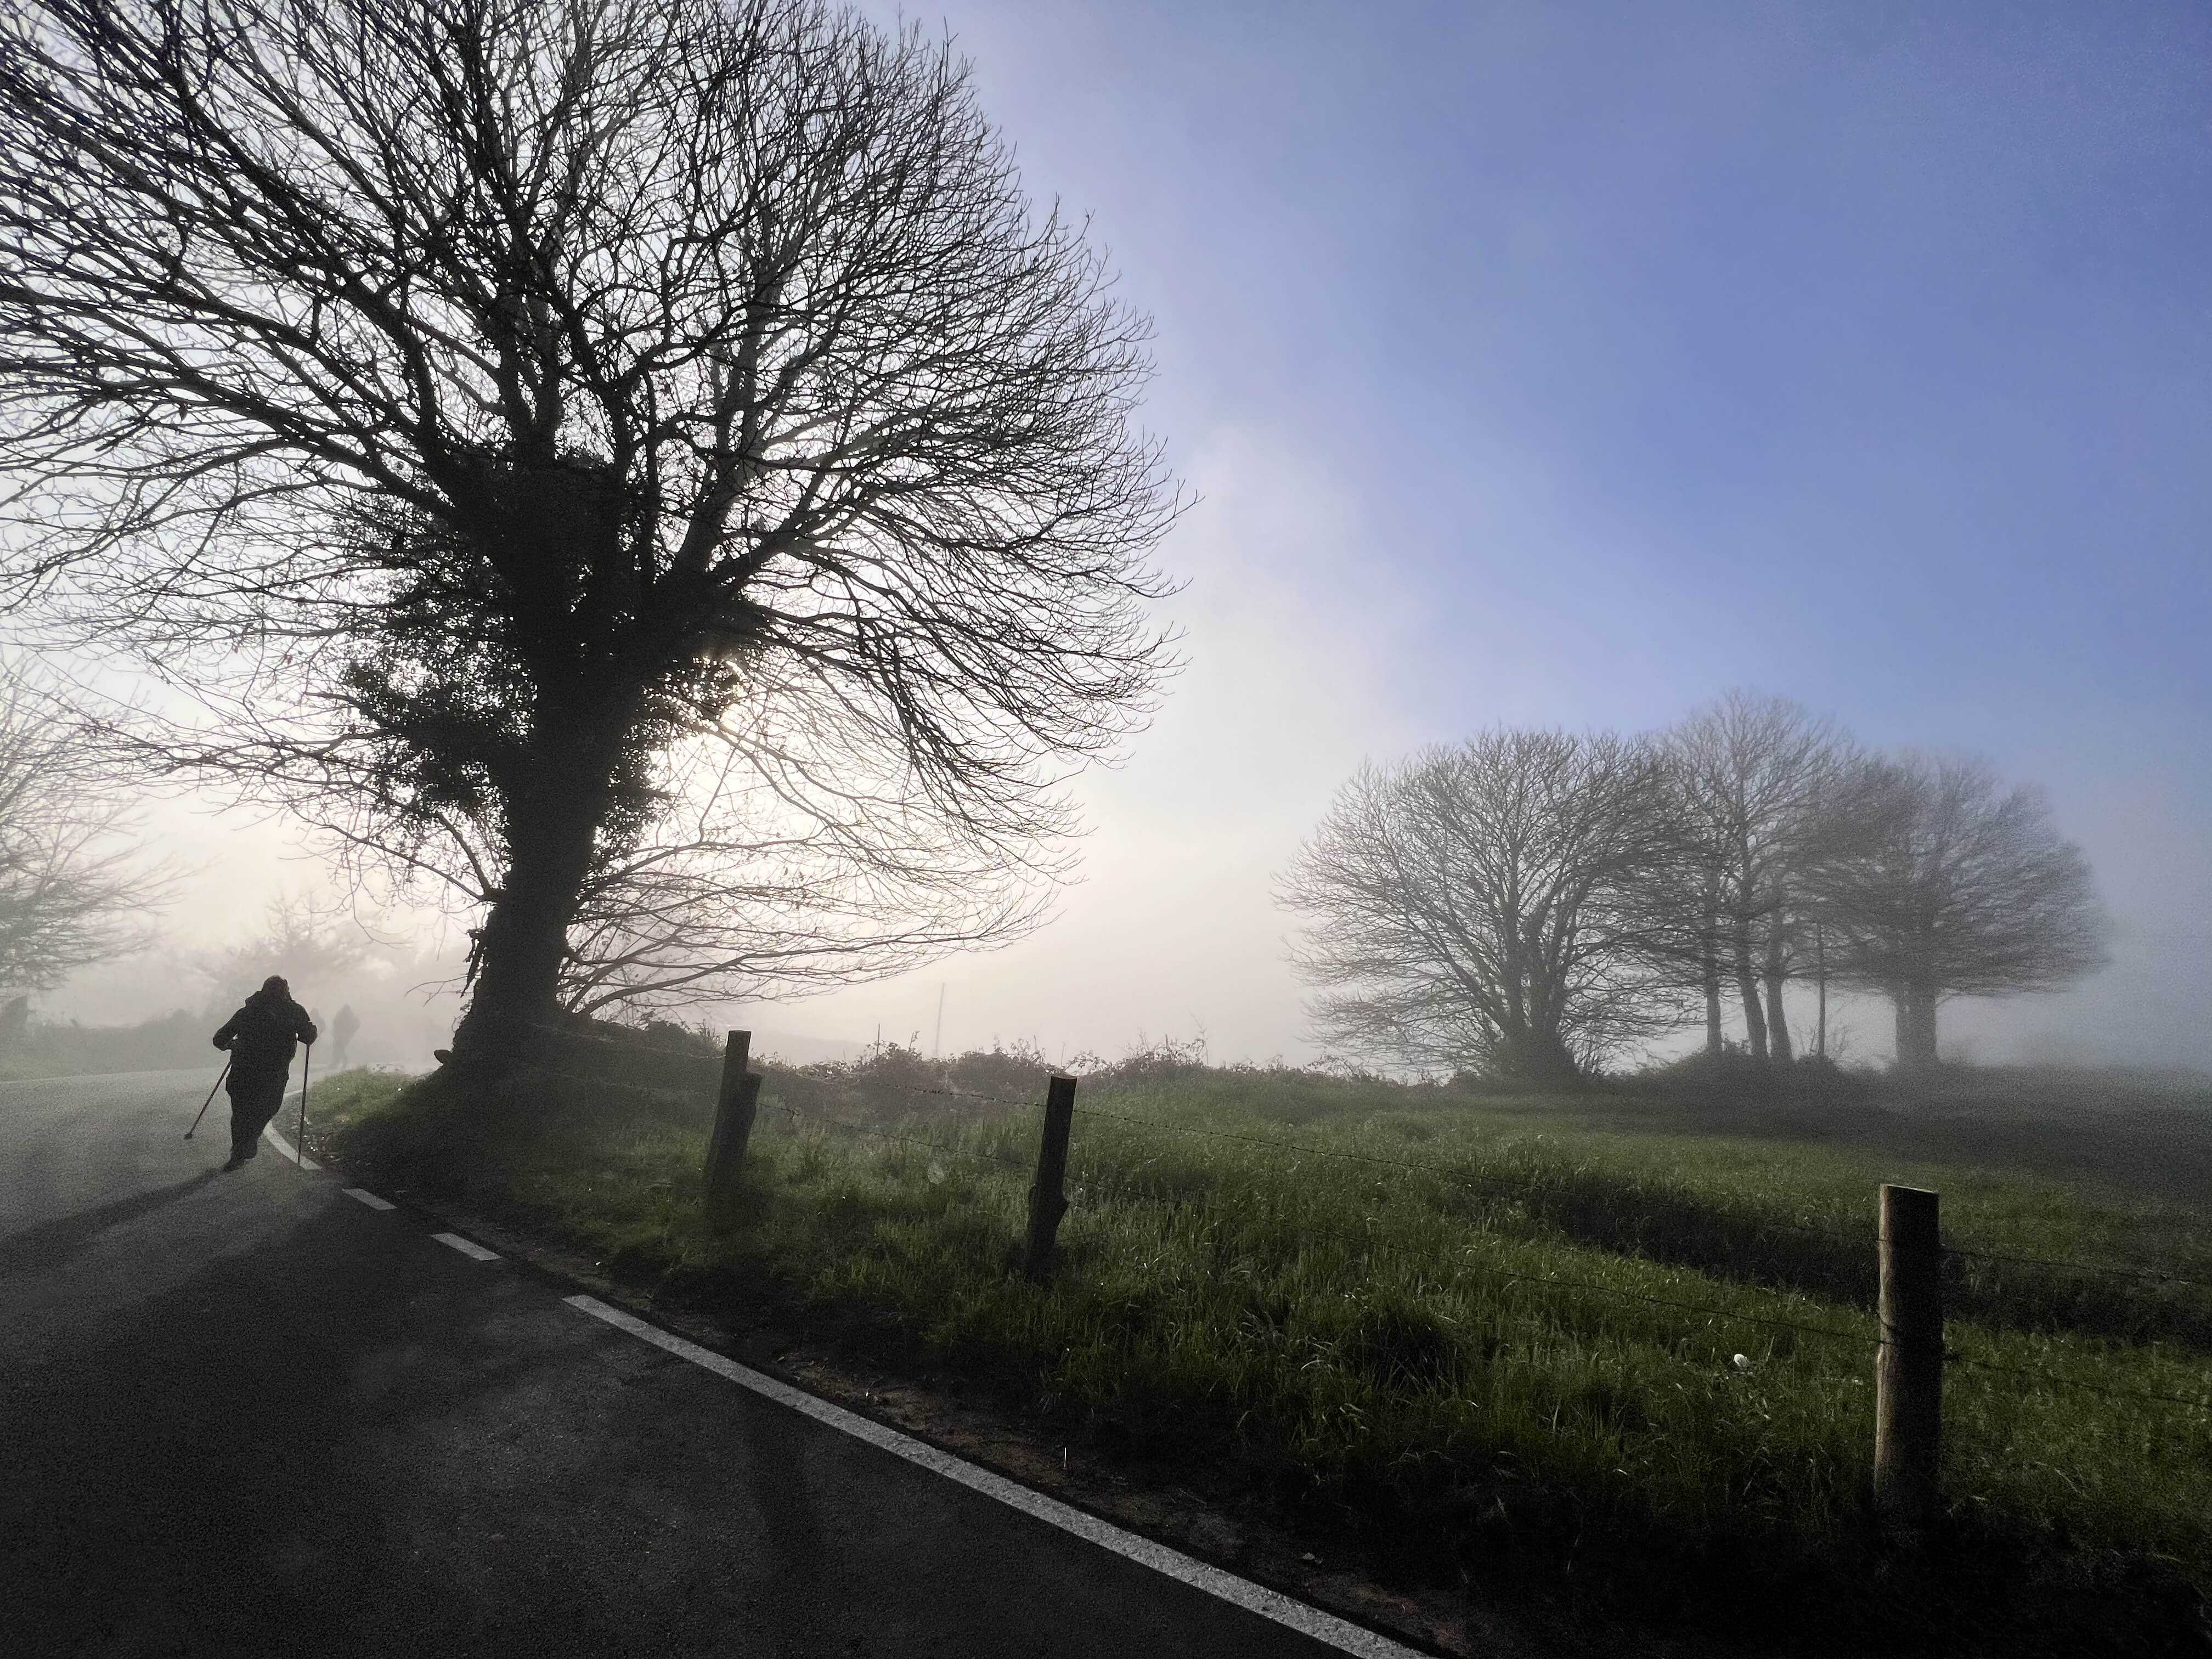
(1048, 1197)
(1908, 1401)
(735, 1106)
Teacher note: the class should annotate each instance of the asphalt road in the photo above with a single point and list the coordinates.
(245, 1414)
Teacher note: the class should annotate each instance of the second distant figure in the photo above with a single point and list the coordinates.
(262, 1037)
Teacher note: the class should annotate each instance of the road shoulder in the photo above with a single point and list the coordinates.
(1170, 1507)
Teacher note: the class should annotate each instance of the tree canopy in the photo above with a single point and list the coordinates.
(74, 888)
(1478, 906)
(1965, 888)
(1531, 904)
(646, 471)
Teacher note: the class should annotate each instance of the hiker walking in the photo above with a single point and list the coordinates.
(261, 1037)
(342, 1033)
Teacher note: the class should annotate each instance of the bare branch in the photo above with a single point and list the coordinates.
(498, 416)
(1478, 906)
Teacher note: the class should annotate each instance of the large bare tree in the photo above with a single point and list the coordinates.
(1758, 782)
(75, 887)
(645, 470)
(1482, 905)
(1960, 887)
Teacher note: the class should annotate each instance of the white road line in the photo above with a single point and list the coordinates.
(368, 1198)
(467, 1247)
(1338, 1633)
(291, 1153)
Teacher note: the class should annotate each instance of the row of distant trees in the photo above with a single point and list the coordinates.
(647, 478)
(1530, 903)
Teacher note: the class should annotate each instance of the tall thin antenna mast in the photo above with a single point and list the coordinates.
(937, 1048)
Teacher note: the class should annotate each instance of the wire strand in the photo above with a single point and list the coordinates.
(1292, 1149)
(949, 1094)
(2079, 1267)
(907, 1140)
(1856, 1339)
(1826, 1331)
(1444, 1170)
(2051, 1379)
(1764, 1222)
(1459, 1263)
(1375, 1247)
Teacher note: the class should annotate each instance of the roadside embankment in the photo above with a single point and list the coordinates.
(1624, 1375)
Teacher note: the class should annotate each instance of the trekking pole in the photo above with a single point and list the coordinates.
(209, 1101)
(300, 1148)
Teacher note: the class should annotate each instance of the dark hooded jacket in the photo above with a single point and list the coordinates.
(264, 1035)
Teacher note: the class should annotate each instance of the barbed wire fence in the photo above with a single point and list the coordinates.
(1455, 1266)
(736, 1090)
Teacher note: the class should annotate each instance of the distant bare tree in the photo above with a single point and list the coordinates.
(1480, 906)
(310, 941)
(1962, 888)
(642, 469)
(1756, 782)
(74, 887)
(1681, 896)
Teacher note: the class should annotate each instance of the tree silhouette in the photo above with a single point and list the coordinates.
(310, 941)
(1963, 888)
(1483, 906)
(1757, 782)
(644, 472)
(74, 889)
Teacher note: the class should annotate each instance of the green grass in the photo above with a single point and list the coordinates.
(1465, 1363)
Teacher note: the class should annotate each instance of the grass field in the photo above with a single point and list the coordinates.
(1597, 1341)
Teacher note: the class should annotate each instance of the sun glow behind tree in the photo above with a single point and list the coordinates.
(646, 476)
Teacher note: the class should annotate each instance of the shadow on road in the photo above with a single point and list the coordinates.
(260, 1459)
(42, 1248)
(331, 1437)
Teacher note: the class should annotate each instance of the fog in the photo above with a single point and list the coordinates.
(1568, 372)
(1170, 930)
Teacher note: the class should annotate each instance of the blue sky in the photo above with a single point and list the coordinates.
(1569, 364)
(1835, 351)
(1560, 364)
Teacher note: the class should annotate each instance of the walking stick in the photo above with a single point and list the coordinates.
(209, 1101)
(299, 1147)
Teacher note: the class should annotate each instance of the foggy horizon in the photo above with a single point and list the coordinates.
(1836, 362)
(1256, 829)
(1858, 363)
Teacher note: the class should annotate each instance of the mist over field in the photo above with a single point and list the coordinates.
(1169, 929)
(1561, 369)
(1419, 794)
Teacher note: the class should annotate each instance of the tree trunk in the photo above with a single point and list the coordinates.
(524, 939)
(1777, 1022)
(1543, 1063)
(1915, 1026)
(1709, 963)
(553, 821)
(1747, 985)
(1820, 977)
(1925, 1054)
